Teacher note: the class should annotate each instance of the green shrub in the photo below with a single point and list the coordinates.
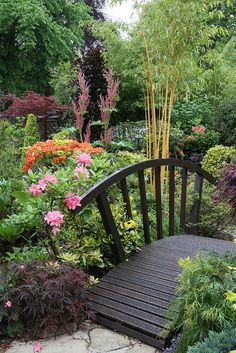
(31, 131)
(217, 157)
(124, 159)
(11, 143)
(214, 217)
(27, 253)
(187, 113)
(87, 238)
(225, 123)
(65, 134)
(199, 143)
(201, 304)
(217, 342)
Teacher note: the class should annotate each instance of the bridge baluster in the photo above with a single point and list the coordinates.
(110, 226)
(183, 197)
(125, 194)
(144, 207)
(158, 203)
(171, 200)
(195, 211)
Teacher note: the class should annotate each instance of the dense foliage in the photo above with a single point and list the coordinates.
(40, 299)
(36, 36)
(217, 158)
(226, 188)
(31, 131)
(201, 305)
(11, 143)
(217, 342)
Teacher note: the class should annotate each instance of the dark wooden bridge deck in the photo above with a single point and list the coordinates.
(133, 297)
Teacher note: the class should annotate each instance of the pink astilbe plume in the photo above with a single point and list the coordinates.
(87, 133)
(106, 136)
(81, 107)
(108, 103)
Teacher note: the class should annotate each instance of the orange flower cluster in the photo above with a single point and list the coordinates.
(56, 152)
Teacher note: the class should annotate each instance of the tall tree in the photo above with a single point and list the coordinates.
(35, 35)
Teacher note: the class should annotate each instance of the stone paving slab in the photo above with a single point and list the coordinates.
(91, 338)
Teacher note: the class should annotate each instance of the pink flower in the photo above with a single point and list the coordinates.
(37, 347)
(54, 218)
(48, 178)
(8, 304)
(42, 184)
(55, 230)
(83, 171)
(84, 159)
(72, 201)
(198, 129)
(35, 190)
(21, 268)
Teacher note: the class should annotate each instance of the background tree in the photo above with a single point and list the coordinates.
(34, 37)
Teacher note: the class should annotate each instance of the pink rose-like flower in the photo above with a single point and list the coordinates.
(84, 159)
(83, 171)
(54, 218)
(8, 304)
(42, 185)
(35, 190)
(37, 347)
(72, 201)
(48, 178)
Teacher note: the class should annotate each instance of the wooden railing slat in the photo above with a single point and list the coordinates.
(144, 207)
(171, 200)
(110, 226)
(116, 177)
(158, 203)
(183, 198)
(126, 199)
(195, 211)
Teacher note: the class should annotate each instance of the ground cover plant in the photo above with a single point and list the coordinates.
(201, 305)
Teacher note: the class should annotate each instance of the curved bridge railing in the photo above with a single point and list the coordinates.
(99, 193)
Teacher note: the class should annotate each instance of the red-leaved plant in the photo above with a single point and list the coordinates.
(226, 187)
(42, 299)
(30, 102)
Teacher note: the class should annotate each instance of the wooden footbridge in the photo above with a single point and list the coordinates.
(133, 297)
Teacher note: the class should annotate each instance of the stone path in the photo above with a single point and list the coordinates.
(91, 338)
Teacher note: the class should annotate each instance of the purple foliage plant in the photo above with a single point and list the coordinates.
(226, 187)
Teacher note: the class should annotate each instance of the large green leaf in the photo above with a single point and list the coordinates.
(22, 196)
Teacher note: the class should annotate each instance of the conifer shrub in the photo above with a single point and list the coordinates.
(217, 342)
(31, 131)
